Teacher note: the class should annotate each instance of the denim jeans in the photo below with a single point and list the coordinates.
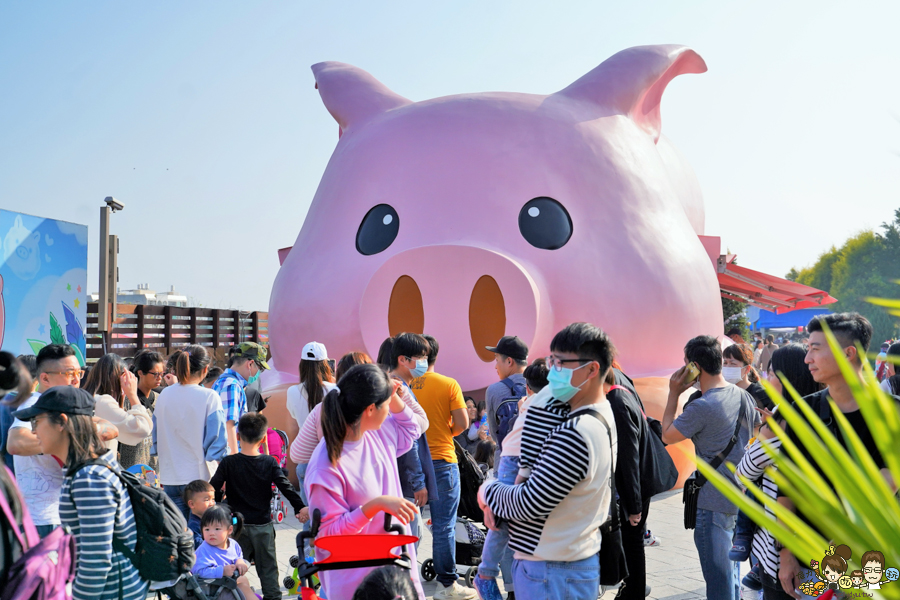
(44, 530)
(443, 520)
(744, 527)
(176, 493)
(712, 536)
(576, 580)
(496, 555)
(301, 475)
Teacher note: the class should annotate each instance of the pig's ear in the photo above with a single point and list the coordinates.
(351, 95)
(632, 82)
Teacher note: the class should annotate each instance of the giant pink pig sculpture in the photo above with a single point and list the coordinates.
(473, 216)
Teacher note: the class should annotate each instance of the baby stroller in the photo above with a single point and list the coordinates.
(346, 552)
(469, 531)
(276, 445)
(190, 587)
(146, 474)
(469, 545)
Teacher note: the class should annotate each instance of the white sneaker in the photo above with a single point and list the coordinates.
(454, 592)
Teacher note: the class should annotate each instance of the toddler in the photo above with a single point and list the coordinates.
(219, 555)
(198, 496)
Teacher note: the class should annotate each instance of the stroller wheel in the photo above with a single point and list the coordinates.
(280, 516)
(428, 572)
(294, 561)
(288, 582)
(470, 576)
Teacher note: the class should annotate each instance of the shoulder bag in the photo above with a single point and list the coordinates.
(658, 471)
(613, 569)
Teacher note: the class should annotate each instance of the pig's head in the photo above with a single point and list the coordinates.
(475, 216)
(21, 250)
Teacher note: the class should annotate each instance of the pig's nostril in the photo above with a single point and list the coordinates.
(487, 316)
(405, 311)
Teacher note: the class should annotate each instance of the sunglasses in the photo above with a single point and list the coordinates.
(71, 373)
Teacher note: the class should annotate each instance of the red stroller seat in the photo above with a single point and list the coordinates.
(352, 551)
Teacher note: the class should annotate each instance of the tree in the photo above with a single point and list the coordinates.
(819, 275)
(864, 267)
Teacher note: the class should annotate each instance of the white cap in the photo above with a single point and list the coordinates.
(314, 351)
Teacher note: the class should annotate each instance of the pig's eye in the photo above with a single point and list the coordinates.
(378, 230)
(545, 223)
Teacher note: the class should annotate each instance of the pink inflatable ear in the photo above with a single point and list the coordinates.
(633, 81)
(352, 96)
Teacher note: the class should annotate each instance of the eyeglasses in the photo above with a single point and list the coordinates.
(872, 570)
(34, 422)
(557, 363)
(157, 374)
(70, 374)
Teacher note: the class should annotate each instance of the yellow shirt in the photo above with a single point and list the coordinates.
(438, 395)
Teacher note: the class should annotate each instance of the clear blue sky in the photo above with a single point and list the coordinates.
(202, 118)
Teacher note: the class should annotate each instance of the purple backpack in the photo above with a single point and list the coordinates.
(46, 567)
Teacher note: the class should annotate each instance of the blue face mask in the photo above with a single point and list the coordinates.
(561, 383)
(254, 378)
(420, 368)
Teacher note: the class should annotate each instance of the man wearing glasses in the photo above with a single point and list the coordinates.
(40, 477)
(554, 515)
(247, 362)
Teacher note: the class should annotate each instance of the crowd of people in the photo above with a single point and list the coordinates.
(563, 443)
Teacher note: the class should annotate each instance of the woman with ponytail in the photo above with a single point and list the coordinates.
(352, 476)
(188, 427)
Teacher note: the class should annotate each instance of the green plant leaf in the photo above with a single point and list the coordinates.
(56, 332)
(36, 346)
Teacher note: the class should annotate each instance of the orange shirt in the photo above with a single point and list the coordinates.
(438, 395)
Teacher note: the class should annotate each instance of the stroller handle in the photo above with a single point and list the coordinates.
(388, 527)
(399, 529)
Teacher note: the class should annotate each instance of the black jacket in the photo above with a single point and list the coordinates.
(634, 444)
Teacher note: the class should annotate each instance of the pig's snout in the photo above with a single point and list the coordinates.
(466, 297)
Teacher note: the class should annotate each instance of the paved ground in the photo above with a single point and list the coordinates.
(673, 568)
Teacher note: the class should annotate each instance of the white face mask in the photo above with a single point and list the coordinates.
(732, 374)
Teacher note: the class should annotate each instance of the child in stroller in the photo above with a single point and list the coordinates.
(220, 556)
(218, 573)
(276, 445)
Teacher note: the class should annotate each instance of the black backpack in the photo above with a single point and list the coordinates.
(165, 546)
(508, 410)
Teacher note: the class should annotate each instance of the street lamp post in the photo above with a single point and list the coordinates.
(109, 273)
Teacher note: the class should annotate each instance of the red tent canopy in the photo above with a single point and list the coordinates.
(767, 291)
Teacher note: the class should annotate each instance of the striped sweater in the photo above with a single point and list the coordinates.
(555, 515)
(753, 466)
(103, 511)
(545, 413)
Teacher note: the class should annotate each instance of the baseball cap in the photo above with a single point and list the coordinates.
(314, 351)
(252, 351)
(511, 346)
(61, 398)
